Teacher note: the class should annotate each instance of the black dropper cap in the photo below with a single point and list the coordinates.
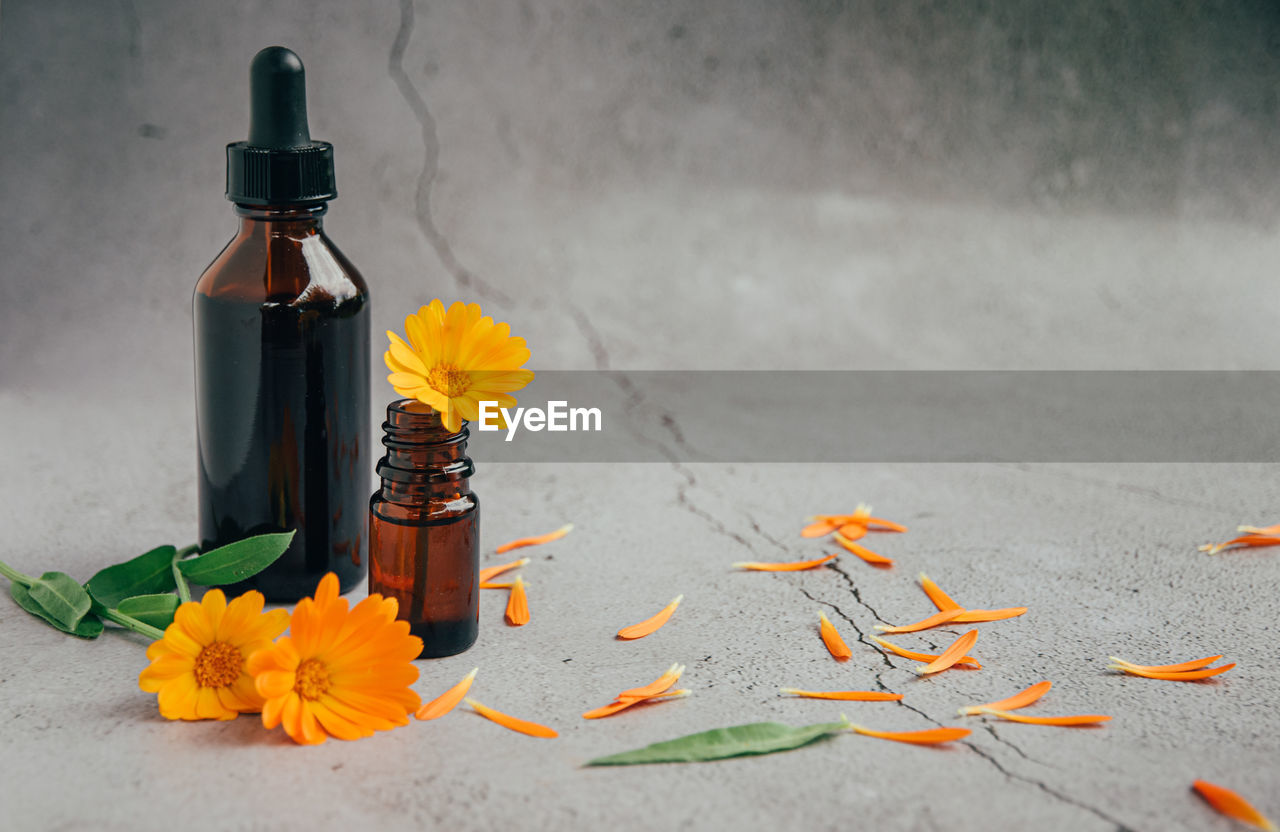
(279, 164)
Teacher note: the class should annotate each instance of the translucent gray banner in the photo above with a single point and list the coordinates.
(899, 416)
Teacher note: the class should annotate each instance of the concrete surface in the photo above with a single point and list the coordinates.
(674, 186)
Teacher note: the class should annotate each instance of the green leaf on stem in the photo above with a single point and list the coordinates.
(236, 561)
(90, 626)
(156, 610)
(719, 743)
(61, 597)
(146, 574)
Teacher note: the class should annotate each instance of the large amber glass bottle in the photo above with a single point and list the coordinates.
(424, 529)
(282, 355)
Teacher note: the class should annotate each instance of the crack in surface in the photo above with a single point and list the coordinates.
(467, 280)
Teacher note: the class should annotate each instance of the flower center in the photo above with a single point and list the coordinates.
(218, 665)
(449, 380)
(312, 679)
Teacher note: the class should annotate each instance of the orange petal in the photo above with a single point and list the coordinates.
(1081, 719)
(793, 566)
(932, 736)
(938, 618)
(1194, 664)
(979, 616)
(534, 541)
(951, 655)
(497, 584)
(1185, 676)
(517, 614)
(1232, 805)
(490, 572)
(819, 528)
(885, 525)
(831, 638)
(1244, 540)
(920, 657)
(649, 625)
(1265, 530)
(622, 704)
(669, 677)
(1021, 699)
(523, 726)
(446, 701)
(852, 531)
(940, 599)
(846, 695)
(862, 551)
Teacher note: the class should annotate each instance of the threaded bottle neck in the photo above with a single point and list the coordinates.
(424, 460)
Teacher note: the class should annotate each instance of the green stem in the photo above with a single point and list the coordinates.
(184, 591)
(14, 575)
(129, 622)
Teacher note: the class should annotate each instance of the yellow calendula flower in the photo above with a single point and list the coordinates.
(198, 668)
(456, 359)
(339, 672)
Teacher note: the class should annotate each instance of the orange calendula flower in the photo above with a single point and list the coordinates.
(650, 625)
(535, 541)
(845, 695)
(1079, 719)
(198, 668)
(937, 619)
(448, 700)
(517, 613)
(790, 566)
(831, 637)
(921, 657)
(951, 655)
(932, 736)
(456, 359)
(1021, 699)
(490, 572)
(340, 672)
(1232, 805)
(522, 726)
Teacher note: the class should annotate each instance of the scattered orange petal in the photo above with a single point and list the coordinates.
(846, 695)
(818, 528)
(792, 566)
(1185, 676)
(885, 525)
(921, 657)
(1247, 540)
(446, 701)
(1021, 699)
(980, 616)
(951, 655)
(932, 736)
(498, 585)
(622, 704)
(940, 599)
(938, 618)
(490, 572)
(1081, 719)
(517, 614)
(852, 531)
(664, 682)
(831, 638)
(534, 541)
(523, 726)
(1267, 530)
(862, 551)
(1194, 664)
(649, 625)
(1232, 805)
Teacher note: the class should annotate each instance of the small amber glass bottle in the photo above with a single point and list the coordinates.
(424, 529)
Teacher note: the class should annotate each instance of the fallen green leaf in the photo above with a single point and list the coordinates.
(146, 574)
(61, 597)
(236, 561)
(719, 743)
(90, 626)
(156, 610)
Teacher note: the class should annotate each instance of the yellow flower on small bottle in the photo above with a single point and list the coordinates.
(456, 359)
(340, 672)
(199, 669)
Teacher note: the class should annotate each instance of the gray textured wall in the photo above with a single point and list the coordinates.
(725, 184)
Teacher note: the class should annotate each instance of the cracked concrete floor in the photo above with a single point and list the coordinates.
(1103, 555)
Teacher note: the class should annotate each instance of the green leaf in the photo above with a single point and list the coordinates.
(156, 610)
(61, 597)
(236, 561)
(89, 627)
(719, 743)
(144, 575)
